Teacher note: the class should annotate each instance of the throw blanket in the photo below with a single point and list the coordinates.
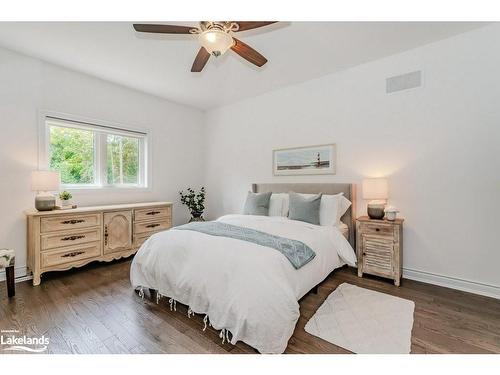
(297, 252)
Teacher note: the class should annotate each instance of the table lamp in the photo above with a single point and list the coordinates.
(44, 182)
(376, 191)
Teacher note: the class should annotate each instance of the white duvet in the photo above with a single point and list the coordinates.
(248, 289)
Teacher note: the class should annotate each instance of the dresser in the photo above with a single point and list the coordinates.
(379, 247)
(62, 239)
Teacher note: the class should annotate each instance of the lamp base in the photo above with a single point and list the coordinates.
(376, 211)
(45, 202)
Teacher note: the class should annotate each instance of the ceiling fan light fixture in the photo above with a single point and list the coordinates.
(215, 37)
(215, 41)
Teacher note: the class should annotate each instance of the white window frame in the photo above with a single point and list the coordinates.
(101, 130)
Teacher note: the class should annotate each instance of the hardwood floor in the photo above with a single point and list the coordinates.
(95, 310)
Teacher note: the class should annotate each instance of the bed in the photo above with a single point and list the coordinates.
(247, 291)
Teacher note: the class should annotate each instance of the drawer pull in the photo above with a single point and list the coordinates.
(377, 229)
(72, 238)
(153, 213)
(73, 221)
(152, 225)
(73, 254)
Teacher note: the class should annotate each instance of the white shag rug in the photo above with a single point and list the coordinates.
(364, 321)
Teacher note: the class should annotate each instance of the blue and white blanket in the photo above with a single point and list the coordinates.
(297, 252)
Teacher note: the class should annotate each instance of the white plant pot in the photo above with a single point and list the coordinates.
(66, 203)
(391, 215)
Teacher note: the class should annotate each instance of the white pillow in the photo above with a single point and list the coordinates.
(331, 208)
(343, 207)
(278, 204)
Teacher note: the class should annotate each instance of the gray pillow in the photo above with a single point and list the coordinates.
(304, 208)
(257, 204)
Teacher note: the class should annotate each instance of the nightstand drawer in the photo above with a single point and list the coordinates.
(377, 229)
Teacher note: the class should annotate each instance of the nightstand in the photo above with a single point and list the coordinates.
(379, 247)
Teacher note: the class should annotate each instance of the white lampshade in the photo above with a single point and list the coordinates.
(375, 188)
(215, 41)
(45, 181)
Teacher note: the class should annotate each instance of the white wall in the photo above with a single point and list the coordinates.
(28, 85)
(438, 144)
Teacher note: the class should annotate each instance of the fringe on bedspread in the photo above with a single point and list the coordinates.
(158, 296)
(223, 334)
(141, 293)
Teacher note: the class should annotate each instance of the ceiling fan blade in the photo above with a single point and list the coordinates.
(162, 29)
(248, 25)
(248, 53)
(200, 60)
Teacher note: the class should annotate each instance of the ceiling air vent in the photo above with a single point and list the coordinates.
(403, 82)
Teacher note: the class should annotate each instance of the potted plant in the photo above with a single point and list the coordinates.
(195, 202)
(65, 197)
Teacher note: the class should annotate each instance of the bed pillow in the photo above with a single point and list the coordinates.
(257, 204)
(304, 208)
(344, 205)
(332, 208)
(278, 204)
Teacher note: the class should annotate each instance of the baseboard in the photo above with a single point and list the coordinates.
(20, 272)
(453, 282)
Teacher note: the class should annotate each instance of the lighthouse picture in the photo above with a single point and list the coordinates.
(305, 160)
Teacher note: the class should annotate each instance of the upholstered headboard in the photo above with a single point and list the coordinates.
(349, 191)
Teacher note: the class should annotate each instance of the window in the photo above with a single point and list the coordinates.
(122, 159)
(94, 156)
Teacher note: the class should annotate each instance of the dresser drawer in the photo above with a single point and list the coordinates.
(70, 254)
(151, 227)
(152, 213)
(140, 239)
(377, 229)
(51, 224)
(50, 241)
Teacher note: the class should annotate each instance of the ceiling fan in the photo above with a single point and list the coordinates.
(215, 39)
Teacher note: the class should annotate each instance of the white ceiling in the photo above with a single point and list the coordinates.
(160, 64)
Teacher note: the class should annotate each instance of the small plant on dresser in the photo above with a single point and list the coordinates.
(65, 197)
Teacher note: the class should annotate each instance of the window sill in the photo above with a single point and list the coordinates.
(114, 189)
